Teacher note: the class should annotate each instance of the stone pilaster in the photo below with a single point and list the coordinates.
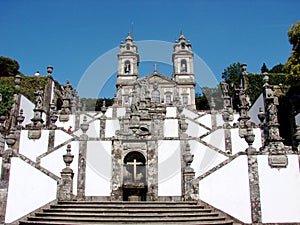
(4, 182)
(65, 185)
(82, 160)
(227, 115)
(273, 144)
(190, 189)
(213, 114)
(5, 173)
(116, 180)
(254, 189)
(51, 139)
(102, 126)
(152, 170)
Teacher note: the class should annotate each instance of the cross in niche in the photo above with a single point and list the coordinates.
(155, 67)
(134, 164)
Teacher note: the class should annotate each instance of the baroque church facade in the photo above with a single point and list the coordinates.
(160, 88)
(151, 146)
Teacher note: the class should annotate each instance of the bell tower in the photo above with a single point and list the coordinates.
(128, 61)
(183, 70)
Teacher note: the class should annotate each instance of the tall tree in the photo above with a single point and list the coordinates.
(292, 66)
(277, 69)
(8, 66)
(264, 68)
(232, 73)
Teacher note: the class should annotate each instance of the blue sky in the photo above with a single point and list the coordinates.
(71, 35)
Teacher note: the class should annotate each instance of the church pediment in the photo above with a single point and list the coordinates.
(158, 78)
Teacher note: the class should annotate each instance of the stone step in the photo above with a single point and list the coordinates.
(127, 215)
(111, 219)
(127, 210)
(113, 222)
(98, 212)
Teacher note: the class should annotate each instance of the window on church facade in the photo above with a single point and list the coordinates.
(168, 99)
(127, 68)
(185, 100)
(155, 96)
(183, 66)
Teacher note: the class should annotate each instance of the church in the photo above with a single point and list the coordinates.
(160, 88)
(150, 158)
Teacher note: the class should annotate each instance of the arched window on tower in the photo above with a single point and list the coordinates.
(127, 67)
(183, 66)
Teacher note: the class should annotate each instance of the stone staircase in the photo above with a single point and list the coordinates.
(89, 212)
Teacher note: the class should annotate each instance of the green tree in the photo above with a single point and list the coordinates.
(7, 92)
(277, 69)
(232, 73)
(292, 66)
(264, 68)
(8, 66)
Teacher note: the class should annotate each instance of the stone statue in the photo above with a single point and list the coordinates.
(225, 88)
(39, 99)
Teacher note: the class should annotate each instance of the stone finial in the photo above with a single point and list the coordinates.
(17, 81)
(297, 137)
(103, 108)
(65, 185)
(188, 157)
(11, 138)
(84, 126)
(20, 119)
(68, 157)
(49, 70)
(261, 115)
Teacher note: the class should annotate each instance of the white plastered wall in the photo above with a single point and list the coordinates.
(98, 168)
(171, 112)
(66, 125)
(279, 191)
(54, 162)
(240, 145)
(194, 129)
(189, 113)
(33, 148)
(28, 190)
(206, 120)
(110, 127)
(216, 139)
(61, 137)
(169, 168)
(204, 158)
(228, 189)
(27, 107)
(171, 128)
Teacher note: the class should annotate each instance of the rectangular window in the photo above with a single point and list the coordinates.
(185, 100)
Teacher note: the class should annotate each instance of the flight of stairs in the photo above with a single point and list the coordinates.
(88, 212)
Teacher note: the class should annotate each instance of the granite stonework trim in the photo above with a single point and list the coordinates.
(201, 115)
(81, 167)
(37, 166)
(46, 206)
(51, 139)
(210, 132)
(200, 124)
(254, 189)
(152, 170)
(213, 147)
(4, 182)
(219, 166)
(116, 179)
(38, 159)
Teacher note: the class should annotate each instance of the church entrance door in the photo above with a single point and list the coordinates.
(134, 177)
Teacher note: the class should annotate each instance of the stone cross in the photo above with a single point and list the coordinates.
(134, 164)
(155, 65)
